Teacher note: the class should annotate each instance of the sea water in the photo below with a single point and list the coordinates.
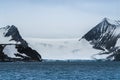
(60, 70)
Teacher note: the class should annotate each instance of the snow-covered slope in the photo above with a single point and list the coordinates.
(62, 49)
(3, 39)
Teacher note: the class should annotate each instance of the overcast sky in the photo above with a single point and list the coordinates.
(56, 18)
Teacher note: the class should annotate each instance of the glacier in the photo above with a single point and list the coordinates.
(63, 49)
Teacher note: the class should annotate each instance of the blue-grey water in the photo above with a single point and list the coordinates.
(80, 70)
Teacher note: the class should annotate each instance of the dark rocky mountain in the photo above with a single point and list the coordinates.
(25, 53)
(14, 33)
(104, 37)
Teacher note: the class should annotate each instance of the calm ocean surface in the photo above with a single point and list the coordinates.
(80, 70)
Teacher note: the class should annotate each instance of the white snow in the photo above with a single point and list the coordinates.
(5, 40)
(118, 43)
(62, 49)
(10, 50)
(115, 22)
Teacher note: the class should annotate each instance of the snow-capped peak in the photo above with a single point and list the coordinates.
(112, 22)
(104, 36)
(12, 45)
(13, 34)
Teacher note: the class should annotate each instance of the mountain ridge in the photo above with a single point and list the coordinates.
(104, 36)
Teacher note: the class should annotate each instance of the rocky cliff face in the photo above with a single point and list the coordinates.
(104, 37)
(10, 36)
